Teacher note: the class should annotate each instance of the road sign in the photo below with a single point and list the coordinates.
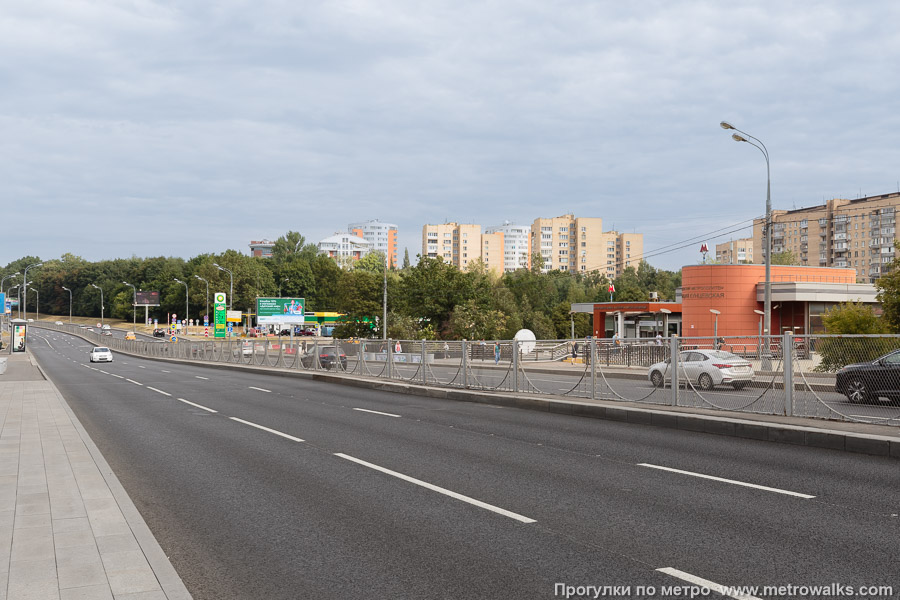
(174, 339)
(219, 314)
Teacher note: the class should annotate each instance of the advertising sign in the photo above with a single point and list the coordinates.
(3, 301)
(219, 309)
(233, 316)
(289, 311)
(147, 298)
(18, 339)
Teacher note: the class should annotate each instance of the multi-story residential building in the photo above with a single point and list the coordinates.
(382, 235)
(262, 248)
(579, 244)
(735, 252)
(857, 234)
(345, 245)
(457, 244)
(516, 245)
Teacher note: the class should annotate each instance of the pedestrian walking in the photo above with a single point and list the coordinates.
(496, 353)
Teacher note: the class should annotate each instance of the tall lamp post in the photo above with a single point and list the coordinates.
(716, 325)
(70, 302)
(185, 304)
(207, 294)
(2, 281)
(741, 136)
(283, 281)
(25, 291)
(133, 306)
(37, 302)
(101, 302)
(384, 301)
(231, 291)
(21, 294)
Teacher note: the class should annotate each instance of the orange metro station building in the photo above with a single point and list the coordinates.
(800, 295)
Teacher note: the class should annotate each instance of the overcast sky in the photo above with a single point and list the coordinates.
(177, 128)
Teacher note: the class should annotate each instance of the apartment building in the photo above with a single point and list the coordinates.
(735, 252)
(579, 245)
(857, 234)
(383, 237)
(462, 245)
(516, 245)
(345, 245)
(261, 248)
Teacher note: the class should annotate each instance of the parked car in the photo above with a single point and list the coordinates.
(284, 332)
(328, 358)
(869, 381)
(58, 323)
(307, 332)
(101, 354)
(706, 369)
(129, 335)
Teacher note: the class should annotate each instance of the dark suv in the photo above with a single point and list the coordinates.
(864, 382)
(328, 358)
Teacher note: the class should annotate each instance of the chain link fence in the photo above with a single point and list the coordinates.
(848, 378)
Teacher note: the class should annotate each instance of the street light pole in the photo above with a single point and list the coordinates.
(231, 292)
(282, 283)
(384, 301)
(133, 307)
(185, 304)
(25, 298)
(70, 302)
(716, 326)
(767, 304)
(101, 302)
(207, 294)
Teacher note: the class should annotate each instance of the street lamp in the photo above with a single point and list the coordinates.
(133, 306)
(185, 304)
(231, 292)
(70, 302)
(25, 298)
(2, 281)
(282, 283)
(207, 294)
(666, 312)
(101, 302)
(37, 301)
(716, 324)
(767, 305)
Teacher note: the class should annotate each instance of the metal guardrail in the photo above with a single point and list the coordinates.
(810, 379)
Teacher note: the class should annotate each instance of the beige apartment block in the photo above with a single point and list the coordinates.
(462, 245)
(857, 234)
(579, 245)
(735, 252)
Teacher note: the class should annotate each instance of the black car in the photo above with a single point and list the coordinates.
(328, 358)
(869, 381)
(159, 333)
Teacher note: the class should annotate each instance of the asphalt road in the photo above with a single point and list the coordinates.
(263, 486)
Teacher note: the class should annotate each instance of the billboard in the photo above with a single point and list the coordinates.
(147, 298)
(18, 338)
(287, 311)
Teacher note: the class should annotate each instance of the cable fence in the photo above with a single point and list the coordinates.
(847, 377)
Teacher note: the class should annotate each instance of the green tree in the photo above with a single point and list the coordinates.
(888, 286)
(469, 321)
(784, 258)
(850, 318)
(405, 258)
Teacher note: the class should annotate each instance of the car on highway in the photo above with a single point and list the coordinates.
(108, 332)
(58, 323)
(705, 369)
(129, 335)
(101, 354)
(870, 381)
(159, 333)
(106, 328)
(328, 358)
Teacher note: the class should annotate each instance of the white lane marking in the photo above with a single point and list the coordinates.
(440, 490)
(133, 381)
(140, 367)
(164, 371)
(711, 585)
(197, 405)
(260, 389)
(375, 412)
(104, 372)
(198, 377)
(284, 435)
(159, 391)
(119, 376)
(732, 481)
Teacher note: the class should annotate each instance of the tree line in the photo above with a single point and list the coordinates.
(431, 299)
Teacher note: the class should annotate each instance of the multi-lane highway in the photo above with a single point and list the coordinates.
(266, 486)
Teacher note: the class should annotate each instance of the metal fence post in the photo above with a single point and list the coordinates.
(389, 367)
(316, 364)
(515, 362)
(593, 359)
(424, 374)
(465, 380)
(787, 352)
(673, 353)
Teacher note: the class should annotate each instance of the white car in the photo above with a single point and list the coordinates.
(59, 323)
(705, 369)
(105, 327)
(101, 354)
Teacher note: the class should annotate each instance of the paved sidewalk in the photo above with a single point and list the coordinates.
(67, 528)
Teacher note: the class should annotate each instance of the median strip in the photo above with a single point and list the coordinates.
(731, 481)
(440, 490)
(284, 435)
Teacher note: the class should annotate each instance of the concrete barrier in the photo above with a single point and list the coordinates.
(3, 365)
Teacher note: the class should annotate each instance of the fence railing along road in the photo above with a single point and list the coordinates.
(803, 376)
